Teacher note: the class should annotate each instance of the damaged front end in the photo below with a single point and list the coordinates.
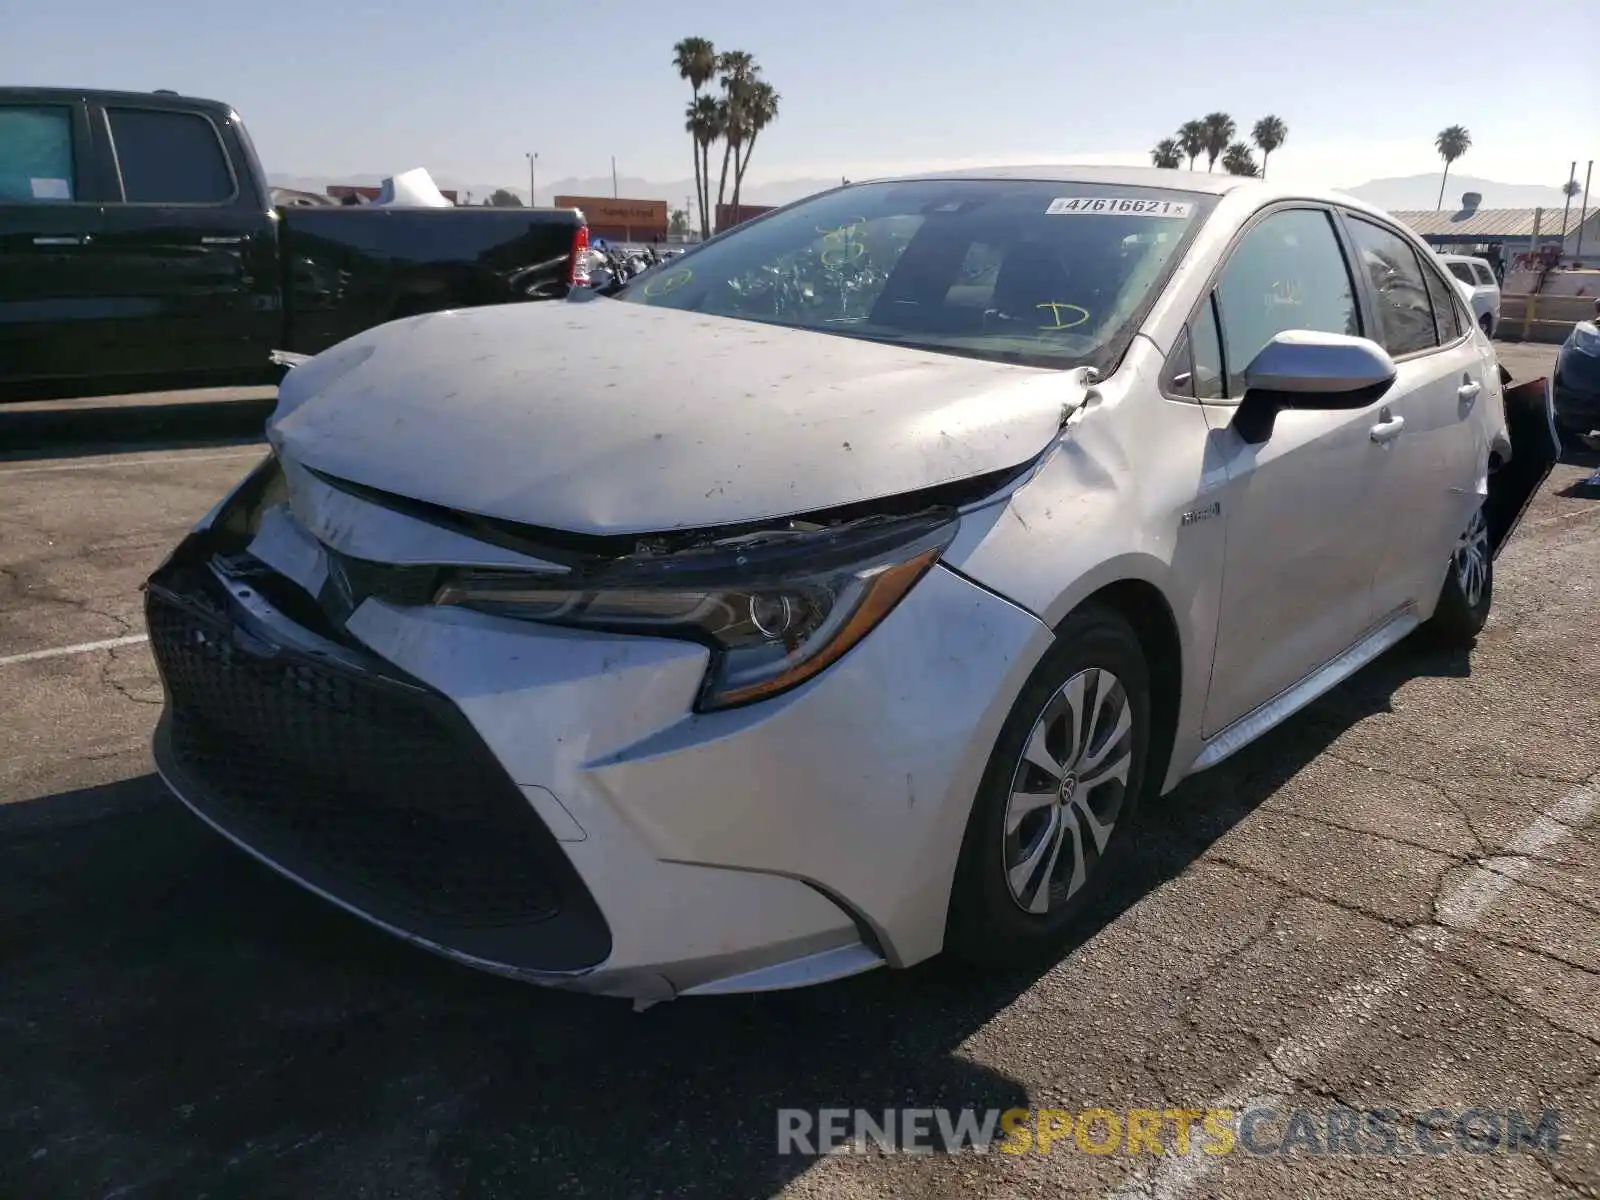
(773, 602)
(323, 712)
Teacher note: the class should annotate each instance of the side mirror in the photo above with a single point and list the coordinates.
(1302, 369)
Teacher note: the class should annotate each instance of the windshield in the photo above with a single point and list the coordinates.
(1044, 273)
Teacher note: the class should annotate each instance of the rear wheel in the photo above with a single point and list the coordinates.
(1058, 796)
(1468, 592)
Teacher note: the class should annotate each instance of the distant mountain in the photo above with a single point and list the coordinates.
(1421, 192)
(674, 192)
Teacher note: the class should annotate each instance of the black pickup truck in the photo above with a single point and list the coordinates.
(140, 251)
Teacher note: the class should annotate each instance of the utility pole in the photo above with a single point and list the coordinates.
(533, 178)
(1583, 209)
(613, 176)
(1572, 175)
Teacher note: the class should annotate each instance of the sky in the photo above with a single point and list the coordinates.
(468, 87)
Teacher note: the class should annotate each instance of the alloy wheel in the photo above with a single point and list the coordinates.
(1067, 790)
(1471, 559)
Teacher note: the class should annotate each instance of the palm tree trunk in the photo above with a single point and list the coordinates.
(741, 164)
(694, 145)
(1265, 154)
(705, 188)
(699, 193)
(1442, 178)
(722, 185)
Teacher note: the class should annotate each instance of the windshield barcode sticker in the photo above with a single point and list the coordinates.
(1116, 206)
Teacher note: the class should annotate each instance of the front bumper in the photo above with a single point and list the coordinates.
(543, 803)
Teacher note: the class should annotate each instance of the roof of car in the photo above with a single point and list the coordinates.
(1464, 258)
(1203, 182)
(157, 99)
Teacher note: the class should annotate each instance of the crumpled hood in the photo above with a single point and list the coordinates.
(604, 417)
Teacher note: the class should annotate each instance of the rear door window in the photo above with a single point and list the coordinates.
(169, 157)
(1485, 277)
(1405, 310)
(36, 154)
(1462, 272)
(1446, 314)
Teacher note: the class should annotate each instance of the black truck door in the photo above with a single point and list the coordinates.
(53, 324)
(190, 243)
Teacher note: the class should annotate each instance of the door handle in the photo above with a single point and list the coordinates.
(1388, 427)
(60, 241)
(1468, 391)
(221, 241)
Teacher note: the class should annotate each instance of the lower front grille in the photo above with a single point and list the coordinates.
(367, 785)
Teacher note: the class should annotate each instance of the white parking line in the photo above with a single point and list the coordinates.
(255, 451)
(1461, 909)
(133, 639)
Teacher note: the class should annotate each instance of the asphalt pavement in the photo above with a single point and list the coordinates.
(1390, 904)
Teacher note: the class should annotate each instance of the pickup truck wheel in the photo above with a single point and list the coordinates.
(1058, 796)
(1468, 591)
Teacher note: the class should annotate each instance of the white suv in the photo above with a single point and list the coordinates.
(1482, 286)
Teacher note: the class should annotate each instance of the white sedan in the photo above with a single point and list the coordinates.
(904, 541)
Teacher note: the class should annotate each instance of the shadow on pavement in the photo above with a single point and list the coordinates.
(76, 430)
(181, 1021)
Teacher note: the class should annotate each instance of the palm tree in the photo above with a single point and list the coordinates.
(1269, 133)
(1167, 154)
(696, 60)
(1219, 131)
(703, 121)
(1237, 160)
(739, 71)
(759, 109)
(1192, 140)
(1452, 143)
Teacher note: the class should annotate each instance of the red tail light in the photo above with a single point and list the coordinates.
(578, 272)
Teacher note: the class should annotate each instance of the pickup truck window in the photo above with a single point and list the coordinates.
(36, 154)
(169, 157)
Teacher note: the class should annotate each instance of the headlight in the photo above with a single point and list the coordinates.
(774, 610)
(1586, 338)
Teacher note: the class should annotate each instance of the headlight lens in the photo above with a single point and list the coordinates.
(774, 612)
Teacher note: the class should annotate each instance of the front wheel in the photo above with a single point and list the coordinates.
(1468, 589)
(1058, 795)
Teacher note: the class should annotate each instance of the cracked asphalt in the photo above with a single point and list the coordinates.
(1392, 902)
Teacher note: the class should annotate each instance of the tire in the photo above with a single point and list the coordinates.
(1468, 591)
(1096, 660)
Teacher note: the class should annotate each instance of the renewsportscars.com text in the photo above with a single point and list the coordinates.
(1328, 1130)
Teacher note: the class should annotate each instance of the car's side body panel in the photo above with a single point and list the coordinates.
(1130, 493)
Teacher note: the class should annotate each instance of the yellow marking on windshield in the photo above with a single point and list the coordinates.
(1055, 310)
(669, 282)
(842, 245)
